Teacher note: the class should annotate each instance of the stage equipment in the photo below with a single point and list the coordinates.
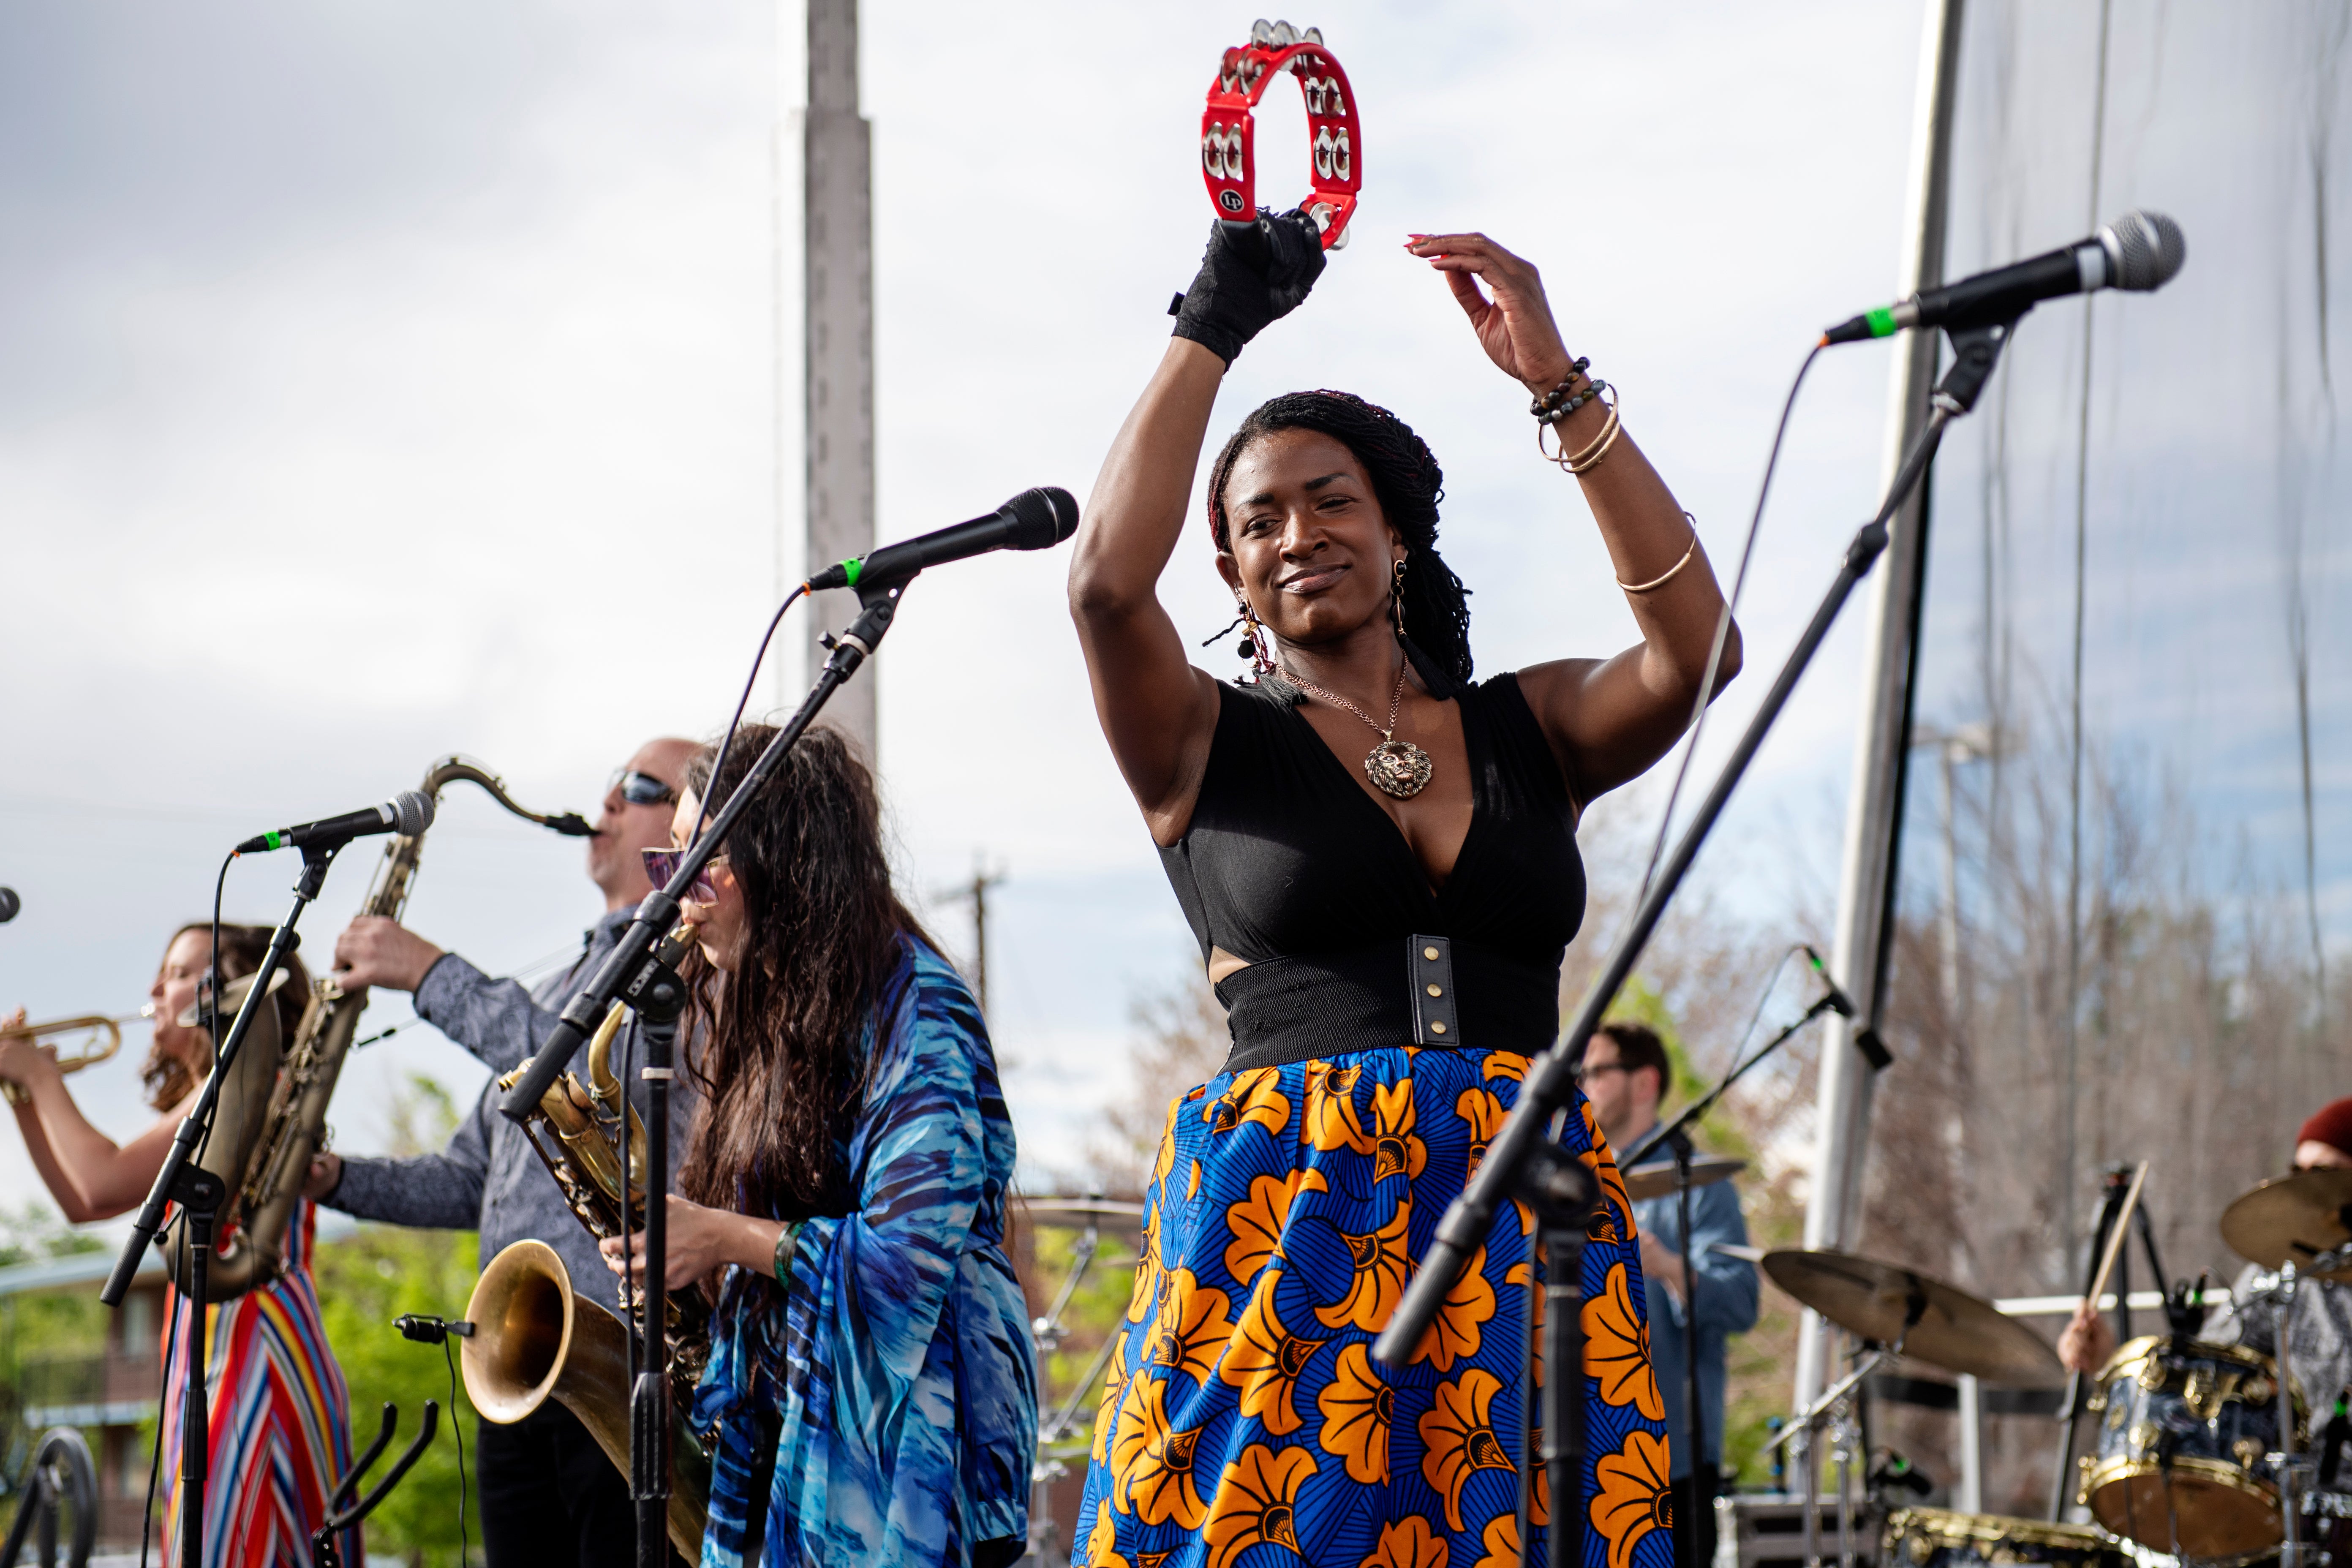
(271, 1122)
(343, 1511)
(634, 970)
(536, 1338)
(60, 1473)
(2293, 1220)
(1335, 141)
(92, 1040)
(2139, 251)
(408, 814)
(2110, 1243)
(9, 904)
(1937, 1538)
(2188, 1454)
(1938, 1324)
(592, 1142)
(1089, 1216)
(1656, 1181)
(1029, 521)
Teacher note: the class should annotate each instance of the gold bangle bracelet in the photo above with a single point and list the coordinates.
(1672, 571)
(1590, 457)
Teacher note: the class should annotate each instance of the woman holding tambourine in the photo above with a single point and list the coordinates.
(1378, 858)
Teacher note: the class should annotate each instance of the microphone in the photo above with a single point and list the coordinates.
(2139, 251)
(1840, 1003)
(406, 813)
(1034, 520)
(1865, 1039)
(9, 904)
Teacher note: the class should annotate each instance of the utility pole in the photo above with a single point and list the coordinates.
(837, 333)
(975, 893)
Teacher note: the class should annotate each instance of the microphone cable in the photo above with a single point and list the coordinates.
(719, 762)
(1723, 625)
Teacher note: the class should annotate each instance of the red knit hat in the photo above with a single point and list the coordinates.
(2332, 1126)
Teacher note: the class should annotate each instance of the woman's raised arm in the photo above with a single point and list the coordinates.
(1157, 711)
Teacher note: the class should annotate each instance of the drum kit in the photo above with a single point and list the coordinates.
(2202, 1451)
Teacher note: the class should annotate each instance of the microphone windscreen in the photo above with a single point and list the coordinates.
(2146, 249)
(1043, 518)
(9, 904)
(411, 813)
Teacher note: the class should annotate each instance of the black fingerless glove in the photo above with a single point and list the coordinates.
(1252, 274)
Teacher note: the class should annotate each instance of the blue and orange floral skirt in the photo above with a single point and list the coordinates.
(1244, 1422)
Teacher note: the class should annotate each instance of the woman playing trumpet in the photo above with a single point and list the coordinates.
(843, 1196)
(280, 1421)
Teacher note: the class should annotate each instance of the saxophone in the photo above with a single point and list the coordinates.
(272, 1114)
(536, 1337)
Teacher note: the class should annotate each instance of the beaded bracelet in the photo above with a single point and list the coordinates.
(1555, 403)
(1590, 457)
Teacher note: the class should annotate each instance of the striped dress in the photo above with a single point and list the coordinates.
(282, 1430)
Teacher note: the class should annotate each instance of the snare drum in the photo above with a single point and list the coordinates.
(1936, 1537)
(2185, 1429)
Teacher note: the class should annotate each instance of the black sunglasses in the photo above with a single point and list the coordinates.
(640, 789)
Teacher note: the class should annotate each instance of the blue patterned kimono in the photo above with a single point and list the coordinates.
(896, 1383)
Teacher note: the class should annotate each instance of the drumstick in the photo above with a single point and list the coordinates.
(2115, 1239)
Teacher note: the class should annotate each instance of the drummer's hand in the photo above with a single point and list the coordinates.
(376, 951)
(1665, 1265)
(2088, 1341)
(702, 1242)
(326, 1175)
(1516, 327)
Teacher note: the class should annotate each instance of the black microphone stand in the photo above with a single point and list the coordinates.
(200, 1195)
(635, 972)
(1551, 1085)
(1675, 1137)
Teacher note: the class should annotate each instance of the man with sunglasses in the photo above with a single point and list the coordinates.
(1624, 1075)
(548, 1494)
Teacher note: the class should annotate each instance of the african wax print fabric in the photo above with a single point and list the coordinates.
(280, 1426)
(1244, 1423)
(886, 1411)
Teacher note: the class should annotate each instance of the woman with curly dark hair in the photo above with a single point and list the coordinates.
(1378, 857)
(871, 1380)
(279, 1412)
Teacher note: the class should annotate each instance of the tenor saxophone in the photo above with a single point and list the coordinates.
(272, 1113)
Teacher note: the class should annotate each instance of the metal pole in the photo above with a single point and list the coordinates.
(837, 331)
(1881, 743)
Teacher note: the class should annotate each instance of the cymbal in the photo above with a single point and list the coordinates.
(1111, 1213)
(1955, 1331)
(2291, 1220)
(1657, 1181)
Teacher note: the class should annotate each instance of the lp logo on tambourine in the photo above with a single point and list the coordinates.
(1335, 142)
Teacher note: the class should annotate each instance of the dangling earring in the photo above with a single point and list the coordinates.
(1254, 640)
(1396, 595)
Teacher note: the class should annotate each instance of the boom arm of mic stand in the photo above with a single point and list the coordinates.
(628, 968)
(1551, 1077)
(1697, 1109)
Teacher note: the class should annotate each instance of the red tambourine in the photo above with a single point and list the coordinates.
(1228, 161)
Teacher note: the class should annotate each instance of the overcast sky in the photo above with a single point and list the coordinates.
(382, 379)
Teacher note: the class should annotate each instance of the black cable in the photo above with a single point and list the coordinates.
(458, 1431)
(1771, 981)
(1723, 626)
(719, 763)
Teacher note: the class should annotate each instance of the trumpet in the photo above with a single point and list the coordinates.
(88, 1040)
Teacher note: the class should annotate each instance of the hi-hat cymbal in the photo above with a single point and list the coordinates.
(1114, 1215)
(1953, 1330)
(1657, 1181)
(2293, 1219)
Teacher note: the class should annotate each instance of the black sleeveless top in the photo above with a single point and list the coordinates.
(1289, 864)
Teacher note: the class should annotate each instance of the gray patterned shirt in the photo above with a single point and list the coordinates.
(489, 1178)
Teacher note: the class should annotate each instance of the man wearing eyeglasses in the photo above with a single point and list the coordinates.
(548, 1494)
(1624, 1075)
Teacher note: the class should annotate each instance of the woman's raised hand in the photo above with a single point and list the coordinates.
(1516, 327)
(1252, 275)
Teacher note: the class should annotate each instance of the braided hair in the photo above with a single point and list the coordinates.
(1408, 483)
